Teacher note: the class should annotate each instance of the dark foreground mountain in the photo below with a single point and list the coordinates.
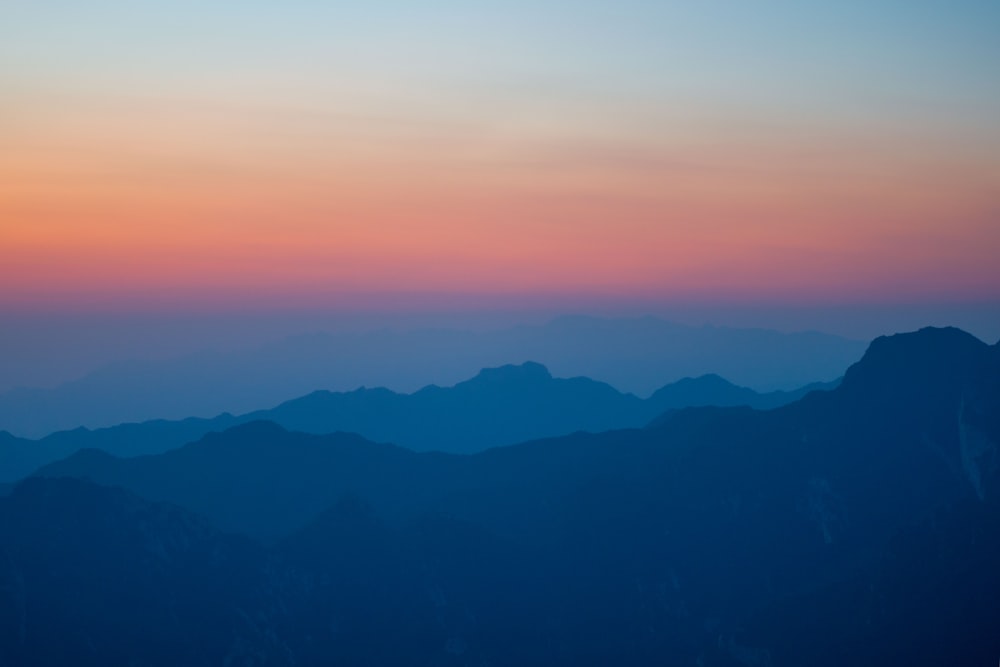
(500, 406)
(857, 526)
(637, 355)
(97, 576)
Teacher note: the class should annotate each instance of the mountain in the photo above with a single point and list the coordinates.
(20, 456)
(929, 600)
(497, 407)
(500, 406)
(713, 390)
(822, 532)
(503, 406)
(634, 355)
(97, 576)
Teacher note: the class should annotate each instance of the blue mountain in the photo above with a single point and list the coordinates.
(500, 406)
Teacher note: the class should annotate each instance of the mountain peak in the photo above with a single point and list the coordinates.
(529, 371)
(929, 336)
(707, 380)
(931, 353)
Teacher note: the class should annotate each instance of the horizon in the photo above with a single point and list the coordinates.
(45, 350)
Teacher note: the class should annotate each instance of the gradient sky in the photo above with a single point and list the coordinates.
(230, 154)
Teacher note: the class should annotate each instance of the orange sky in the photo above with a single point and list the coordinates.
(109, 193)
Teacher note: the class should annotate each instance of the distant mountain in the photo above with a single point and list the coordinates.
(855, 526)
(503, 406)
(633, 355)
(20, 456)
(500, 406)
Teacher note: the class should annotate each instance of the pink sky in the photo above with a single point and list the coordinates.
(142, 161)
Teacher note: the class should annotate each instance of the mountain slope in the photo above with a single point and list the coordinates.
(97, 576)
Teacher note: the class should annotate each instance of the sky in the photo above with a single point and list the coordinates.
(192, 156)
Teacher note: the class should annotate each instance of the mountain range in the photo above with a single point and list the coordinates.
(856, 526)
(634, 355)
(499, 406)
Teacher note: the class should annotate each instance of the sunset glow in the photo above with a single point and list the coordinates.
(320, 154)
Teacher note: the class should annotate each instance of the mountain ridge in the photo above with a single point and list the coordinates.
(635, 355)
(498, 406)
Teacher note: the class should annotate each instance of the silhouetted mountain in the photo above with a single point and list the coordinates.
(712, 390)
(96, 576)
(20, 456)
(929, 600)
(710, 537)
(634, 355)
(500, 406)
